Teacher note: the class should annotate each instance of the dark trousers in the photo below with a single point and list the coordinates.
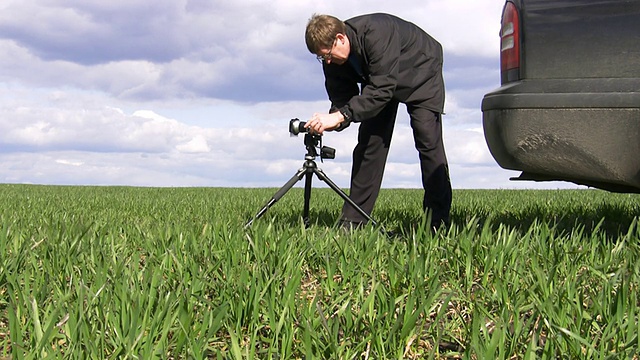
(370, 157)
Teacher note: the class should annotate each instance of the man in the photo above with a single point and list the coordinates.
(394, 61)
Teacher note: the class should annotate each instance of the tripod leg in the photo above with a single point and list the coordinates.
(346, 198)
(307, 198)
(279, 194)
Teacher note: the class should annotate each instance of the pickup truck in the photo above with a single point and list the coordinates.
(568, 107)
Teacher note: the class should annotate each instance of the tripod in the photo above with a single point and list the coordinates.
(307, 170)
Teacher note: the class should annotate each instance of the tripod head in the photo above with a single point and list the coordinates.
(313, 142)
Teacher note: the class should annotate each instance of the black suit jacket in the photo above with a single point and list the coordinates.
(396, 61)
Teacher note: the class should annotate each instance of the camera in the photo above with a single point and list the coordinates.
(296, 127)
(313, 142)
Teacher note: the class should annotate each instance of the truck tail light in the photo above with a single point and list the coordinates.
(510, 43)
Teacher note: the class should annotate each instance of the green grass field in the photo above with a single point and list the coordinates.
(171, 273)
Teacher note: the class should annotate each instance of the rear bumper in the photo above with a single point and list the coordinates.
(580, 131)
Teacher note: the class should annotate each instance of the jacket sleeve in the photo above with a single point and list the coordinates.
(341, 87)
(381, 47)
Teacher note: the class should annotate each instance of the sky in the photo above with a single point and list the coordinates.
(199, 93)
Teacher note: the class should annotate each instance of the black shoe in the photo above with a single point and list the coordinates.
(351, 225)
(441, 226)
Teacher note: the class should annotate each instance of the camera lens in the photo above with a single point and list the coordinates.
(296, 126)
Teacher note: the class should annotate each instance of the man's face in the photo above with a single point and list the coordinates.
(338, 53)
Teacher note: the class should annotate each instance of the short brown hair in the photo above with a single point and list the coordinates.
(321, 32)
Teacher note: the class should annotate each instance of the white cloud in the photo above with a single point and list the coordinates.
(69, 162)
(197, 144)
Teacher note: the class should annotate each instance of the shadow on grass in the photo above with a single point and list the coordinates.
(612, 219)
(324, 218)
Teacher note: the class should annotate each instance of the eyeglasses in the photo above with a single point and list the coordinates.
(326, 57)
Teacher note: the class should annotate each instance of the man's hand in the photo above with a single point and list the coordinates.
(320, 123)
